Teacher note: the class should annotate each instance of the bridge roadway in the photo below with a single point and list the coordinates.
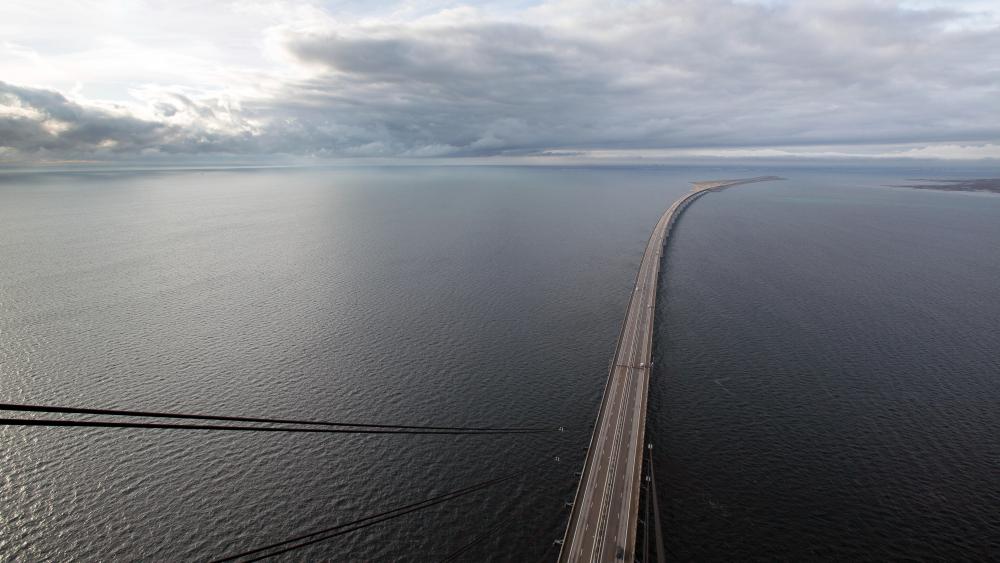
(604, 518)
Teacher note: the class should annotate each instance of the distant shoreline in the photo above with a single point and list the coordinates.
(988, 185)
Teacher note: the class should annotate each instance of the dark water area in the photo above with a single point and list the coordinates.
(829, 374)
(853, 328)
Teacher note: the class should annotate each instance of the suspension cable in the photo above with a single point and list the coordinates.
(303, 540)
(147, 414)
(167, 426)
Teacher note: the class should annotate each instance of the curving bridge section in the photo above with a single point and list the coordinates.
(603, 522)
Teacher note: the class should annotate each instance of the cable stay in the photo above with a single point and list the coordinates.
(303, 540)
(290, 425)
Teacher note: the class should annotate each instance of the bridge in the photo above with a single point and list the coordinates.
(604, 517)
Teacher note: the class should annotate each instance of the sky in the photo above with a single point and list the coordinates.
(490, 81)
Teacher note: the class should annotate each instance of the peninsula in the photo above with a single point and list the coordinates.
(991, 185)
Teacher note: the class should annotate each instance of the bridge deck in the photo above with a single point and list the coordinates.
(605, 512)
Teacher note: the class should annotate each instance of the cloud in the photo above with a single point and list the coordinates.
(34, 120)
(563, 76)
(45, 123)
(938, 151)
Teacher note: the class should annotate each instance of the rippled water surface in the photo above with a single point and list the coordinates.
(827, 381)
(466, 296)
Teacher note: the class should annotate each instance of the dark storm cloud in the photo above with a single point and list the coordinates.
(473, 89)
(676, 74)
